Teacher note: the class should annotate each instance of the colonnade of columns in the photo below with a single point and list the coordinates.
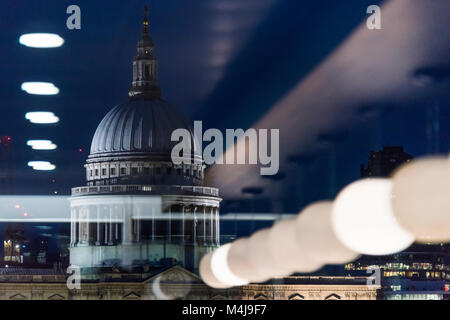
(108, 225)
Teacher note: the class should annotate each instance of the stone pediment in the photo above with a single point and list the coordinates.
(132, 296)
(175, 274)
(296, 296)
(18, 296)
(333, 296)
(56, 296)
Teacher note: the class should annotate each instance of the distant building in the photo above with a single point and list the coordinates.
(382, 163)
(42, 254)
(422, 272)
(14, 244)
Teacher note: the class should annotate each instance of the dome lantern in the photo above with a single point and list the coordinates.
(145, 66)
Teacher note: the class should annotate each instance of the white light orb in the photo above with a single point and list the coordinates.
(315, 235)
(41, 40)
(40, 88)
(239, 264)
(421, 199)
(259, 257)
(363, 219)
(221, 270)
(207, 275)
(285, 250)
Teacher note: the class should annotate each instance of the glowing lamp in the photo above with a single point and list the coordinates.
(363, 219)
(315, 235)
(421, 199)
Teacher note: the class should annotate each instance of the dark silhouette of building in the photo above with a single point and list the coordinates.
(383, 163)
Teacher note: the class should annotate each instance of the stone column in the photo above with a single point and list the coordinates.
(217, 226)
(98, 242)
(204, 225)
(73, 227)
(211, 225)
(169, 225)
(127, 225)
(137, 222)
(110, 227)
(153, 222)
(194, 225)
(182, 223)
(80, 226)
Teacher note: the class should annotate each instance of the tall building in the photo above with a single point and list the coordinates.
(138, 207)
(382, 163)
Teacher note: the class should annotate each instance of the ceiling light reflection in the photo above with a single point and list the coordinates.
(41, 117)
(41, 165)
(41, 88)
(41, 40)
(41, 144)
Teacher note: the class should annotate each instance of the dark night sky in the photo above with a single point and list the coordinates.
(224, 62)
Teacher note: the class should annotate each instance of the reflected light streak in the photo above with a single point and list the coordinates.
(34, 209)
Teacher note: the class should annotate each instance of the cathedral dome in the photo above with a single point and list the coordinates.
(139, 128)
(132, 144)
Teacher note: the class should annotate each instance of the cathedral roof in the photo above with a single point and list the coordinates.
(139, 127)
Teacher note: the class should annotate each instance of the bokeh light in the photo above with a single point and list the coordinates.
(315, 235)
(221, 270)
(286, 252)
(421, 199)
(363, 219)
